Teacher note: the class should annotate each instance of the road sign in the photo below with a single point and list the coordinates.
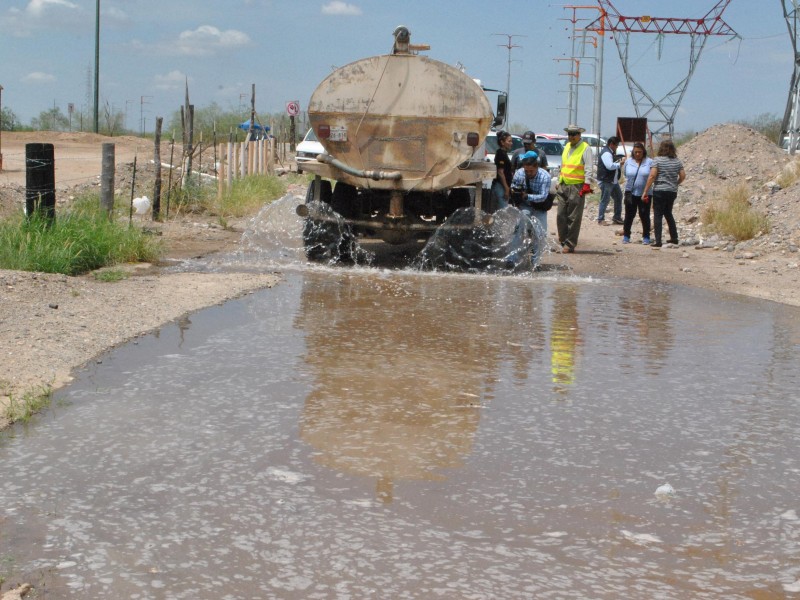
(293, 108)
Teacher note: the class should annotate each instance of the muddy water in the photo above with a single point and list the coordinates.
(366, 433)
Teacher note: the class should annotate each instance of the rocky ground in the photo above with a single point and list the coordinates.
(50, 324)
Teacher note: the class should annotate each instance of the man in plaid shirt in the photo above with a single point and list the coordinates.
(532, 186)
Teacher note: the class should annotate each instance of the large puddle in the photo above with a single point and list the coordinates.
(366, 433)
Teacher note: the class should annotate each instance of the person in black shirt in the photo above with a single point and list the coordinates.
(501, 185)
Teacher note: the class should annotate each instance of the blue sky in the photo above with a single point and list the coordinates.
(148, 48)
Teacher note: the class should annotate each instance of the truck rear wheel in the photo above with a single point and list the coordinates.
(344, 200)
(325, 192)
(327, 239)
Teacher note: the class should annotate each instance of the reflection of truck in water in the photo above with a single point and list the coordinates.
(400, 133)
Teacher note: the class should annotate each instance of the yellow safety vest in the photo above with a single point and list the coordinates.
(572, 170)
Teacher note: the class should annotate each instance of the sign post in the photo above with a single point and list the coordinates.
(292, 109)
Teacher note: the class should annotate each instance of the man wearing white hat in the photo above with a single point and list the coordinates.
(573, 186)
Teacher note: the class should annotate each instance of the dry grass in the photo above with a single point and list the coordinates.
(789, 174)
(731, 215)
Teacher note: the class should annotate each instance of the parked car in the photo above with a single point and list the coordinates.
(308, 150)
(553, 150)
(556, 137)
(491, 145)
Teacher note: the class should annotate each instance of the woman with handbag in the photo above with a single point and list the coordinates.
(637, 171)
(666, 174)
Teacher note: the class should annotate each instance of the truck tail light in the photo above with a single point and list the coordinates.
(324, 132)
(472, 139)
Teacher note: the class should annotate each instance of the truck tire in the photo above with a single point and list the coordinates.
(325, 194)
(326, 241)
(344, 200)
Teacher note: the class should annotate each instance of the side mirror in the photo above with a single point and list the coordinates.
(502, 104)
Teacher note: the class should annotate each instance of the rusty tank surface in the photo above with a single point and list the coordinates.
(400, 133)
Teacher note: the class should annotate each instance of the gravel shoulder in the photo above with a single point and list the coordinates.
(52, 324)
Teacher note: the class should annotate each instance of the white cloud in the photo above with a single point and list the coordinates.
(337, 7)
(207, 39)
(174, 80)
(43, 14)
(37, 8)
(39, 77)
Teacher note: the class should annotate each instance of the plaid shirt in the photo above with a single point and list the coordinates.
(536, 188)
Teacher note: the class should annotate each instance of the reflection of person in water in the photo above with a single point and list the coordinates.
(564, 338)
(646, 311)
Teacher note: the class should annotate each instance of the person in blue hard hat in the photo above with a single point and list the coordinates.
(530, 188)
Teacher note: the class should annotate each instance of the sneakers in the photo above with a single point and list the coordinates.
(672, 242)
(616, 221)
(656, 245)
(567, 249)
(646, 241)
(601, 222)
(626, 239)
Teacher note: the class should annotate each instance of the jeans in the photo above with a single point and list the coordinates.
(662, 207)
(643, 208)
(498, 196)
(609, 190)
(539, 220)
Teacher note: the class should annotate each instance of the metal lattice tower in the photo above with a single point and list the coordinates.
(660, 113)
(791, 118)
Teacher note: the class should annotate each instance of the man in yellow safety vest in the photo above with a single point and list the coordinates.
(576, 171)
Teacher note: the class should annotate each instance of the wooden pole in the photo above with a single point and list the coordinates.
(171, 167)
(157, 160)
(133, 192)
(220, 171)
(107, 179)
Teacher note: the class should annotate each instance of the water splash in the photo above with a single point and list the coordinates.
(472, 241)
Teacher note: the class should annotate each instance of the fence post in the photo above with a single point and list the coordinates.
(231, 163)
(107, 178)
(271, 158)
(156, 216)
(220, 169)
(40, 181)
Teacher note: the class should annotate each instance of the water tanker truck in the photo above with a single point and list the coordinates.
(403, 137)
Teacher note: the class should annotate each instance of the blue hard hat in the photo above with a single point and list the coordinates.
(530, 154)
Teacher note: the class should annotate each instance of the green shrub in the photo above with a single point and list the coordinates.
(731, 215)
(80, 239)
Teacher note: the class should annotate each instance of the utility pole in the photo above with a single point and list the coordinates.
(127, 102)
(141, 112)
(597, 86)
(97, 68)
(791, 118)
(509, 45)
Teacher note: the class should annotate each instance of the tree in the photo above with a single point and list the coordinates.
(114, 120)
(51, 120)
(8, 120)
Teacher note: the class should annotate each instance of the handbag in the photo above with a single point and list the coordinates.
(629, 193)
(545, 204)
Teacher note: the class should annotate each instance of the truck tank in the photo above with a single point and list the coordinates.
(399, 133)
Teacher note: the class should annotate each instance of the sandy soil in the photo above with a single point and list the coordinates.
(50, 324)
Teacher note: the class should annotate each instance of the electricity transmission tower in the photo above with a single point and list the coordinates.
(791, 118)
(660, 112)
